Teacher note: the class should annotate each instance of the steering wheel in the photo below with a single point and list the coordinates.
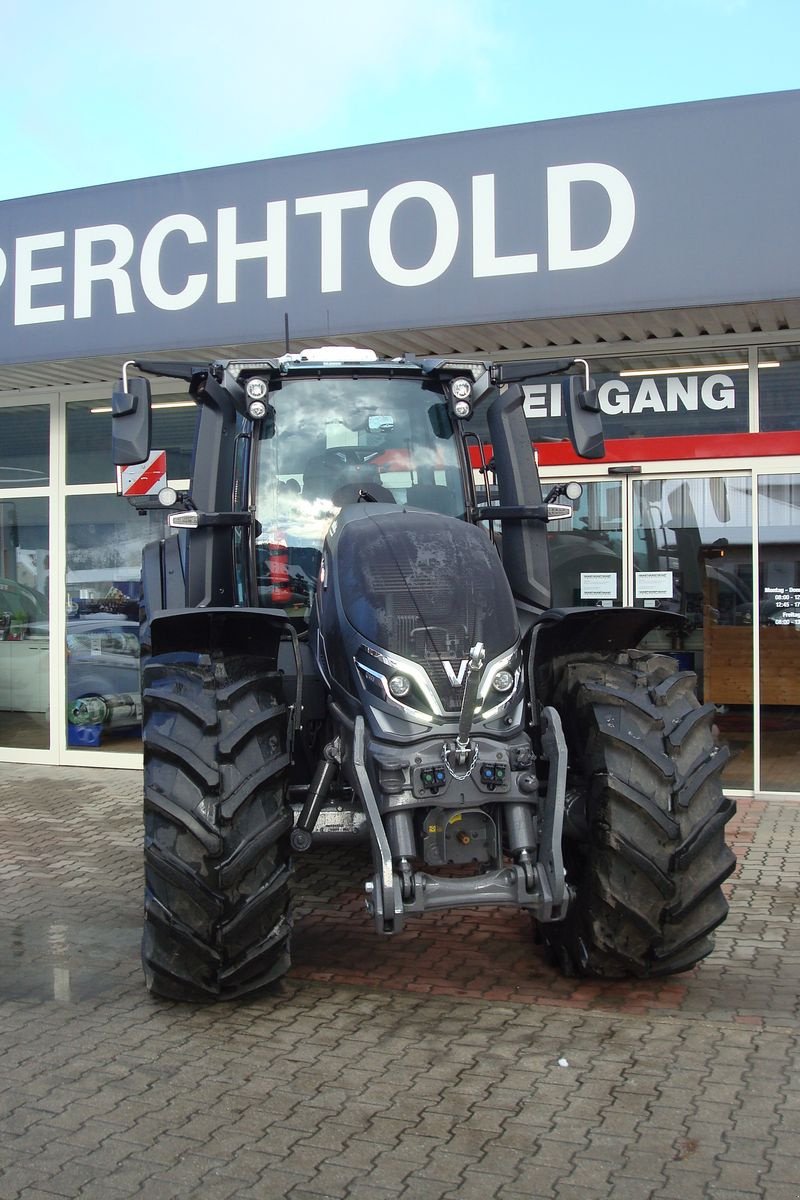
(370, 492)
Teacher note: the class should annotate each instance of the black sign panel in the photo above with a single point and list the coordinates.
(681, 205)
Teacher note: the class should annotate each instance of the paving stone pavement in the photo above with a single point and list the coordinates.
(449, 1063)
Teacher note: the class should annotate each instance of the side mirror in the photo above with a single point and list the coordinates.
(131, 421)
(583, 418)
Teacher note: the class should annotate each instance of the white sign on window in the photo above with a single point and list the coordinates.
(654, 585)
(598, 585)
(781, 605)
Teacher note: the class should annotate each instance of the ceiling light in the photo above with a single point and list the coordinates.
(106, 408)
(689, 370)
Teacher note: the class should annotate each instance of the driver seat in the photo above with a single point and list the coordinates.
(326, 474)
(431, 497)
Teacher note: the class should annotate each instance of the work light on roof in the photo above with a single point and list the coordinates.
(461, 397)
(256, 389)
(250, 364)
(475, 369)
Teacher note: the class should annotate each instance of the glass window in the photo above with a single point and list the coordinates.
(693, 551)
(586, 550)
(24, 626)
(25, 442)
(89, 438)
(779, 388)
(389, 438)
(105, 538)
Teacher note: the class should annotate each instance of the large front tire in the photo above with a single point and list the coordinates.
(647, 854)
(217, 910)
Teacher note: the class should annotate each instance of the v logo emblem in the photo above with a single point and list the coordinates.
(456, 678)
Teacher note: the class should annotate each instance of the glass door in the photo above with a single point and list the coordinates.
(777, 618)
(586, 551)
(692, 554)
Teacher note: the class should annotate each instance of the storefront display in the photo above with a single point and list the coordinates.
(549, 241)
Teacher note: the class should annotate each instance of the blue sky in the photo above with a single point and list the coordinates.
(94, 91)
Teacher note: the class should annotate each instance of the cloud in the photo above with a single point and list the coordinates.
(96, 91)
(111, 89)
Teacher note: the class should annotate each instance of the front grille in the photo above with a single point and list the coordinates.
(451, 697)
(430, 647)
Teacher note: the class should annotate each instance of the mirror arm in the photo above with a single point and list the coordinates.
(587, 375)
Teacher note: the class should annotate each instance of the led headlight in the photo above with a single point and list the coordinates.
(503, 681)
(461, 398)
(256, 409)
(399, 686)
(255, 388)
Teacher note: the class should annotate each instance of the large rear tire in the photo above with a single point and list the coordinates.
(217, 905)
(647, 853)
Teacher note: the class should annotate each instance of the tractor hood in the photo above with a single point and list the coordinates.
(410, 593)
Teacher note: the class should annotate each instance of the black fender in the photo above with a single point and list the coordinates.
(585, 631)
(228, 633)
(225, 631)
(169, 625)
(163, 580)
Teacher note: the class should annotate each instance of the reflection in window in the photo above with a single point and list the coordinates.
(692, 557)
(390, 439)
(586, 550)
(25, 446)
(89, 438)
(24, 625)
(105, 538)
(779, 388)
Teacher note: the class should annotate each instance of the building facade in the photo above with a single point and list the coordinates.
(660, 244)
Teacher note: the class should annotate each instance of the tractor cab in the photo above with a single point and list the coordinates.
(360, 439)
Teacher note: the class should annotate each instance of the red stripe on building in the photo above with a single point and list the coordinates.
(665, 449)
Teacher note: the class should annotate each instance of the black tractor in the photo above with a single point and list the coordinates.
(348, 635)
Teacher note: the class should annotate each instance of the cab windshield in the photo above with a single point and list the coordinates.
(341, 441)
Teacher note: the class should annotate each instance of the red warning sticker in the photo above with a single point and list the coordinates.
(147, 478)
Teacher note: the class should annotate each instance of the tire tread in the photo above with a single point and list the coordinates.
(647, 879)
(217, 860)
